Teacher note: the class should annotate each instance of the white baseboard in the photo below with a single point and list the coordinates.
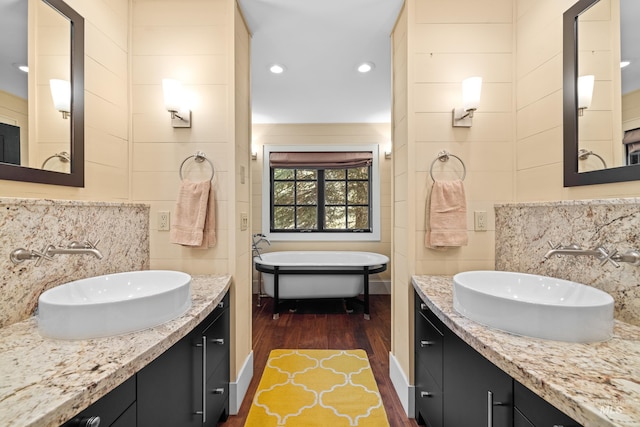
(376, 287)
(238, 389)
(404, 390)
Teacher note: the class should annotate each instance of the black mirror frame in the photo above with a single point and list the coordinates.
(573, 178)
(76, 177)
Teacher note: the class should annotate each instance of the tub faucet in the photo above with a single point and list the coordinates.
(255, 243)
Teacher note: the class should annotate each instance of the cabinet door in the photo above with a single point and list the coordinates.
(477, 393)
(538, 411)
(167, 387)
(520, 420)
(114, 408)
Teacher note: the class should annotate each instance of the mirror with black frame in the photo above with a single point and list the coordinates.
(599, 117)
(42, 105)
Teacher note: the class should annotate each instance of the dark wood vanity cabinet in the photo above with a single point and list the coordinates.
(115, 409)
(457, 386)
(187, 385)
(533, 411)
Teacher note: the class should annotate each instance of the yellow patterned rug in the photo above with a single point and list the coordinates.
(320, 388)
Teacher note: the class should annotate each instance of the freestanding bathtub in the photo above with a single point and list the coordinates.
(318, 274)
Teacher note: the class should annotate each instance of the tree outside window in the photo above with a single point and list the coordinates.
(321, 200)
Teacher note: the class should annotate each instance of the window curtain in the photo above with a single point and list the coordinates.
(320, 160)
(632, 140)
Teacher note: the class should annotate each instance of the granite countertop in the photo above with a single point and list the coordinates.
(45, 382)
(597, 384)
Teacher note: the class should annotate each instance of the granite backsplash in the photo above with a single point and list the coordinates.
(122, 230)
(523, 231)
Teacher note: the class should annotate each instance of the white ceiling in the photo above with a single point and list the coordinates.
(321, 42)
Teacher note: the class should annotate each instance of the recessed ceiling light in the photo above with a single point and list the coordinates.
(365, 67)
(624, 63)
(277, 69)
(22, 67)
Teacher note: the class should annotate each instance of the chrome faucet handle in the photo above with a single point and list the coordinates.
(553, 246)
(44, 254)
(607, 257)
(84, 245)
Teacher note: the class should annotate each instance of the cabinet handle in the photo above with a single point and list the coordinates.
(490, 405)
(426, 394)
(423, 306)
(204, 379)
(217, 391)
(221, 304)
(426, 343)
(86, 422)
(219, 341)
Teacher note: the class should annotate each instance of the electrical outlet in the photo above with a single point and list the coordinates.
(164, 221)
(480, 221)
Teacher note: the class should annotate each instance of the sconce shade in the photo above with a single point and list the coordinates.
(172, 90)
(585, 91)
(471, 89)
(174, 102)
(61, 94)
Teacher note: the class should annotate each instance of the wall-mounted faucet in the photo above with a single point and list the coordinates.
(632, 257)
(255, 244)
(86, 247)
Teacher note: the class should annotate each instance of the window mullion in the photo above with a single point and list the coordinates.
(321, 200)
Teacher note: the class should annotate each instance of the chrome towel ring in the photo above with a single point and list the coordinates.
(443, 156)
(199, 157)
(63, 156)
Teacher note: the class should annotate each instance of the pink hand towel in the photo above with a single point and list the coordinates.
(447, 215)
(194, 221)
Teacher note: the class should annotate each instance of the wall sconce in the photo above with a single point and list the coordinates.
(387, 151)
(174, 103)
(61, 94)
(254, 152)
(585, 93)
(471, 88)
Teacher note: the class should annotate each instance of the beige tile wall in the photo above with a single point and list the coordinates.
(106, 108)
(445, 43)
(326, 134)
(205, 45)
(538, 114)
(402, 246)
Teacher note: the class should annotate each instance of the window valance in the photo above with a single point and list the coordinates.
(320, 160)
(631, 136)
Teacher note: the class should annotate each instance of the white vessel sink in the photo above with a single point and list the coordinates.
(534, 306)
(113, 304)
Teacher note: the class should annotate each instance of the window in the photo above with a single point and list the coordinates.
(307, 197)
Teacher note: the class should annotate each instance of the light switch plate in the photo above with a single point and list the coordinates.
(244, 221)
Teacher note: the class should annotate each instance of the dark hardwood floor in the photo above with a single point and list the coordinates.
(323, 324)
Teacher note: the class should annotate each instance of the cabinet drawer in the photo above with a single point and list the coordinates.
(111, 405)
(217, 338)
(218, 395)
(429, 347)
(429, 399)
(537, 410)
